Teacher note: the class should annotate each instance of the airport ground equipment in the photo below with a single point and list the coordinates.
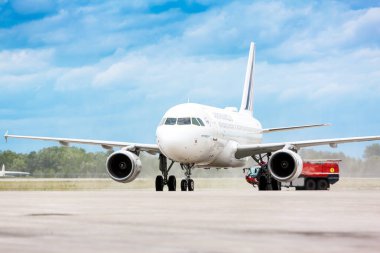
(315, 175)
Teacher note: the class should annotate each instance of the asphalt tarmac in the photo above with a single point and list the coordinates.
(207, 220)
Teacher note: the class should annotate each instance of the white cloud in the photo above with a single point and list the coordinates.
(355, 73)
(184, 61)
(335, 32)
(365, 28)
(27, 68)
(173, 75)
(75, 79)
(25, 61)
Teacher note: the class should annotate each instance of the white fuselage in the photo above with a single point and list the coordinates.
(211, 143)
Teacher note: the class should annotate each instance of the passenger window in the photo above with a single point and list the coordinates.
(200, 122)
(194, 121)
(183, 121)
(170, 121)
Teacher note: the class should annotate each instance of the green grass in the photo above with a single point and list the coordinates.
(33, 184)
(68, 184)
(26, 184)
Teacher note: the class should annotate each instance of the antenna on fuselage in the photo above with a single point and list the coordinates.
(247, 99)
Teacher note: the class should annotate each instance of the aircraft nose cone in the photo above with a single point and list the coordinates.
(175, 144)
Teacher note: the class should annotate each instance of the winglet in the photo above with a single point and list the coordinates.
(6, 136)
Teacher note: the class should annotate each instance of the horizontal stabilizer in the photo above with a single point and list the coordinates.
(321, 160)
(271, 130)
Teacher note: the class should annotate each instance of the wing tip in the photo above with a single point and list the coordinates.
(6, 136)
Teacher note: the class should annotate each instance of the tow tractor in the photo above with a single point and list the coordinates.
(316, 175)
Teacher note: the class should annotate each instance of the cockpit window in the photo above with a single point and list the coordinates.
(194, 121)
(170, 121)
(183, 121)
(200, 122)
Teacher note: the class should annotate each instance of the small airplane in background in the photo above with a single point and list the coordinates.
(201, 136)
(8, 173)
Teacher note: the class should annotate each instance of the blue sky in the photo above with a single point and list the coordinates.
(110, 69)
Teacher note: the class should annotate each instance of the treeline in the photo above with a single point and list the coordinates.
(367, 166)
(57, 162)
(72, 162)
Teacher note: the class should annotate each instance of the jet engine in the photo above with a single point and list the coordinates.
(285, 165)
(123, 166)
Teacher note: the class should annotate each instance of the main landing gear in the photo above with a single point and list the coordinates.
(171, 182)
(163, 180)
(266, 181)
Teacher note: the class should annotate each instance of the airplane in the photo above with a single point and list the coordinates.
(5, 173)
(201, 136)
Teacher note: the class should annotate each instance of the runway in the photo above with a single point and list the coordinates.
(207, 220)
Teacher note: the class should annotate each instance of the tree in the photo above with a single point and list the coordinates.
(372, 150)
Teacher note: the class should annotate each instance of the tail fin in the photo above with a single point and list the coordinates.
(3, 168)
(247, 100)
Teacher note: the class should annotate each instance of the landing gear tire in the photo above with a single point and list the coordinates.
(187, 184)
(190, 185)
(183, 185)
(310, 185)
(322, 184)
(172, 183)
(163, 180)
(276, 185)
(159, 183)
(263, 184)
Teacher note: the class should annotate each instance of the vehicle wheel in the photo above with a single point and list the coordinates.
(276, 185)
(310, 184)
(172, 183)
(159, 183)
(183, 185)
(190, 185)
(263, 185)
(322, 184)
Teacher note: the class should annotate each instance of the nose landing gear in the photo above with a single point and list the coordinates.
(188, 183)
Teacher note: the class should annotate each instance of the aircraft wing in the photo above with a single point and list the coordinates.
(255, 149)
(151, 148)
(271, 130)
(16, 173)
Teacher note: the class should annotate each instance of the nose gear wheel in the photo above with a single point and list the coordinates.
(187, 184)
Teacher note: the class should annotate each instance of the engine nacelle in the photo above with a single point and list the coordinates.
(285, 165)
(123, 166)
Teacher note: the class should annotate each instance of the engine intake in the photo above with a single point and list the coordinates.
(285, 165)
(123, 166)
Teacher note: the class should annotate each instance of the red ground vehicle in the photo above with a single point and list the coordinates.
(316, 175)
